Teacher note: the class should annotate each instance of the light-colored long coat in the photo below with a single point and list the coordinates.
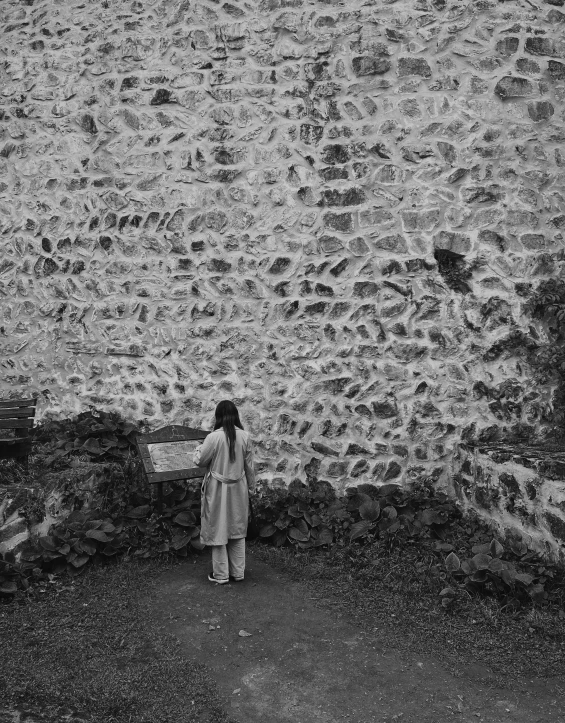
(225, 499)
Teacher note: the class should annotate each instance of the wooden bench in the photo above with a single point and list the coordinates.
(17, 415)
(166, 456)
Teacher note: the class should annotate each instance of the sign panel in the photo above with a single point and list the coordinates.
(170, 456)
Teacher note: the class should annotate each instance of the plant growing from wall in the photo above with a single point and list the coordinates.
(547, 305)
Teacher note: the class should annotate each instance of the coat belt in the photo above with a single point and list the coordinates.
(226, 480)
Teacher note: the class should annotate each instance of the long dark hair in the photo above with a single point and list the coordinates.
(227, 417)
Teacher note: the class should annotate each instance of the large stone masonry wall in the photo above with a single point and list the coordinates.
(328, 212)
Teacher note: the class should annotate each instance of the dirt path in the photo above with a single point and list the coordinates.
(304, 664)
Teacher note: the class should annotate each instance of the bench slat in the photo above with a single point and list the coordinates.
(16, 423)
(14, 403)
(17, 413)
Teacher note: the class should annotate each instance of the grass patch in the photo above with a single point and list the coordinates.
(397, 592)
(89, 645)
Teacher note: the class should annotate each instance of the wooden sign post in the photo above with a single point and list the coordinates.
(167, 456)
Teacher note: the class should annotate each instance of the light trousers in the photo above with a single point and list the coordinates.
(229, 559)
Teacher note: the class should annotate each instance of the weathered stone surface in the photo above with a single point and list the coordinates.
(557, 222)
(494, 239)
(393, 471)
(358, 247)
(420, 220)
(389, 174)
(87, 123)
(556, 70)
(450, 241)
(528, 66)
(348, 197)
(507, 46)
(324, 449)
(395, 243)
(365, 289)
(335, 153)
(555, 17)
(514, 87)
(414, 66)
(483, 194)
(369, 65)
(380, 217)
(533, 241)
(457, 175)
(337, 469)
(311, 134)
(544, 46)
(540, 110)
(384, 408)
(517, 218)
(280, 265)
(339, 222)
(447, 151)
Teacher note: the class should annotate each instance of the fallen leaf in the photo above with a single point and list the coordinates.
(244, 634)
(237, 690)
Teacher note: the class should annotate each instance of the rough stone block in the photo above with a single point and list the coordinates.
(335, 153)
(540, 110)
(339, 221)
(537, 45)
(395, 243)
(389, 174)
(458, 243)
(507, 46)
(514, 87)
(365, 289)
(414, 66)
(384, 407)
(380, 217)
(420, 220)
(370, 65)
(556, 70)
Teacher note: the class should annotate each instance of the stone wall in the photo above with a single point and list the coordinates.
(329, 212)
(518, 489)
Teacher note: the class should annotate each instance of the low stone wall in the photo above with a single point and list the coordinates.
(518, 488)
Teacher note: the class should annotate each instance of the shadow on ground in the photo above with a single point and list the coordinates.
(305, 664)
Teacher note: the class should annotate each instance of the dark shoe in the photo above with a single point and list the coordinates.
(214, 579)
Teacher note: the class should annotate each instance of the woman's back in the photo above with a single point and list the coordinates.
(216, 453)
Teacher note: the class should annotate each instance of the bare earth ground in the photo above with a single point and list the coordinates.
(305, 663)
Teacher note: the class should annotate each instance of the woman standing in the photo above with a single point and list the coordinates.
(228, 455)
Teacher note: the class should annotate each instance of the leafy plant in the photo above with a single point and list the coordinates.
(16, 575)
(95, 536)
(487, 572)
(547, 304)
(312, 516)
(99, 435)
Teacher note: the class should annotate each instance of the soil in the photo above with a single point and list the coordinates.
(303, 662)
